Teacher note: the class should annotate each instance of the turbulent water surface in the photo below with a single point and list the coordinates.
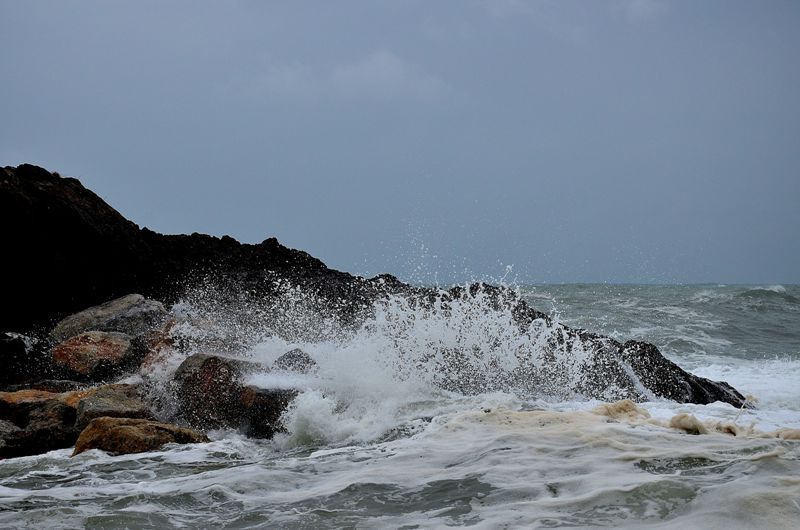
(376, 439)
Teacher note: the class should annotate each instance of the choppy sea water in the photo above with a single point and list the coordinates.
(374, 442)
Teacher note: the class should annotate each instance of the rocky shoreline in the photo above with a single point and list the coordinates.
(80, 351)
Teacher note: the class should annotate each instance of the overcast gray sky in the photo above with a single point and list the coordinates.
(620, 140)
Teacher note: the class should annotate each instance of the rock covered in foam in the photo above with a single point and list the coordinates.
(128, 435)
(295, 360)
(132, 314)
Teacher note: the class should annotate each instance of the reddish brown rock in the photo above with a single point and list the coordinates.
(96, 354)
(127, 435)
(16, 406)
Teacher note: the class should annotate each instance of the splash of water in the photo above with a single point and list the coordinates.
(412, 357)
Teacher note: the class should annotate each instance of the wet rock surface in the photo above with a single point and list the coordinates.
(43, 421)
(211, 395)
(126, 435)
(262, 409)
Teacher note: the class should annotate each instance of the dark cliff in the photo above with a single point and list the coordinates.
(65, 249)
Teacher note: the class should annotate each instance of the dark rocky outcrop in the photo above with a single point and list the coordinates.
(71, 250)
(667, 380)
(126, 435)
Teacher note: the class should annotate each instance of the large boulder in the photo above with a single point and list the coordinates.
(208, 388)
(95, 355)
(132, 314)
(127, 435)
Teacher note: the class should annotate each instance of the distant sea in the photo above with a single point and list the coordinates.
(373, 443)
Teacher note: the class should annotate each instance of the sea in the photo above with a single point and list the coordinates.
(375, 441)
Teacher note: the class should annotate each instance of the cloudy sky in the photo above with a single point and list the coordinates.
(544, 141)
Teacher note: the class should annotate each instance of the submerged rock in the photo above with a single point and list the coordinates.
(127, 435)
(132, 314)
(95, 355)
